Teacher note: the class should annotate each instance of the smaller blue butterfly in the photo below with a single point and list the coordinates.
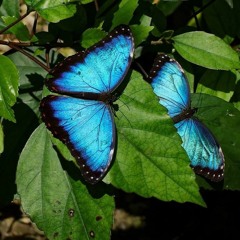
(83, 116)
(171, 86)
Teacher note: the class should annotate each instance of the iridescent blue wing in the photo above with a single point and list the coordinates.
(86, 127)
(202, 148)
(101, 68)
(170, 85)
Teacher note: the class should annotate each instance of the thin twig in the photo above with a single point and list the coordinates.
(96, 5)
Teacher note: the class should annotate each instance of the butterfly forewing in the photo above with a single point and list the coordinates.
(101, 68)
(170, 84)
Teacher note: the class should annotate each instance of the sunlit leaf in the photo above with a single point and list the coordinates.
(53, 11)
(206, 50)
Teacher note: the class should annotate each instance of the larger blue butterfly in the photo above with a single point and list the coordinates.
(82, 117)
(171, 86)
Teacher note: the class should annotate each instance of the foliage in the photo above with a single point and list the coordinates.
(150, 160)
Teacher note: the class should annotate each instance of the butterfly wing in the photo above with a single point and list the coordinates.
(170, 85)
(202, 148)
(101, 68)
(86, 127)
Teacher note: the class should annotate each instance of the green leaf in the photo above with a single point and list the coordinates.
(125, 12)
(222, 118)
(1, 139)
(8, 87)
(217, 83)
(150, 160)
(10, 8)
(19, 29)
(53, 11)
(206, 50)
(140, 33)
(59, 203)
(92, 36)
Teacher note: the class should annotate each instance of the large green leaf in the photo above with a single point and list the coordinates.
(53, 10)
(57, 202)
(206, 50)
(150, 160)
(8, 87)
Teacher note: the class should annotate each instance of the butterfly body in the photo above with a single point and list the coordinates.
(171, 86)
(83, 116)
(186, 113)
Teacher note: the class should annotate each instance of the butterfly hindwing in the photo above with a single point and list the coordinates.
(101, 68)
(86, 127)
(170, 85)
(202, 148)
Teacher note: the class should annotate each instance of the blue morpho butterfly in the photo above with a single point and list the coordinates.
(171, 86)
(82, 117)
